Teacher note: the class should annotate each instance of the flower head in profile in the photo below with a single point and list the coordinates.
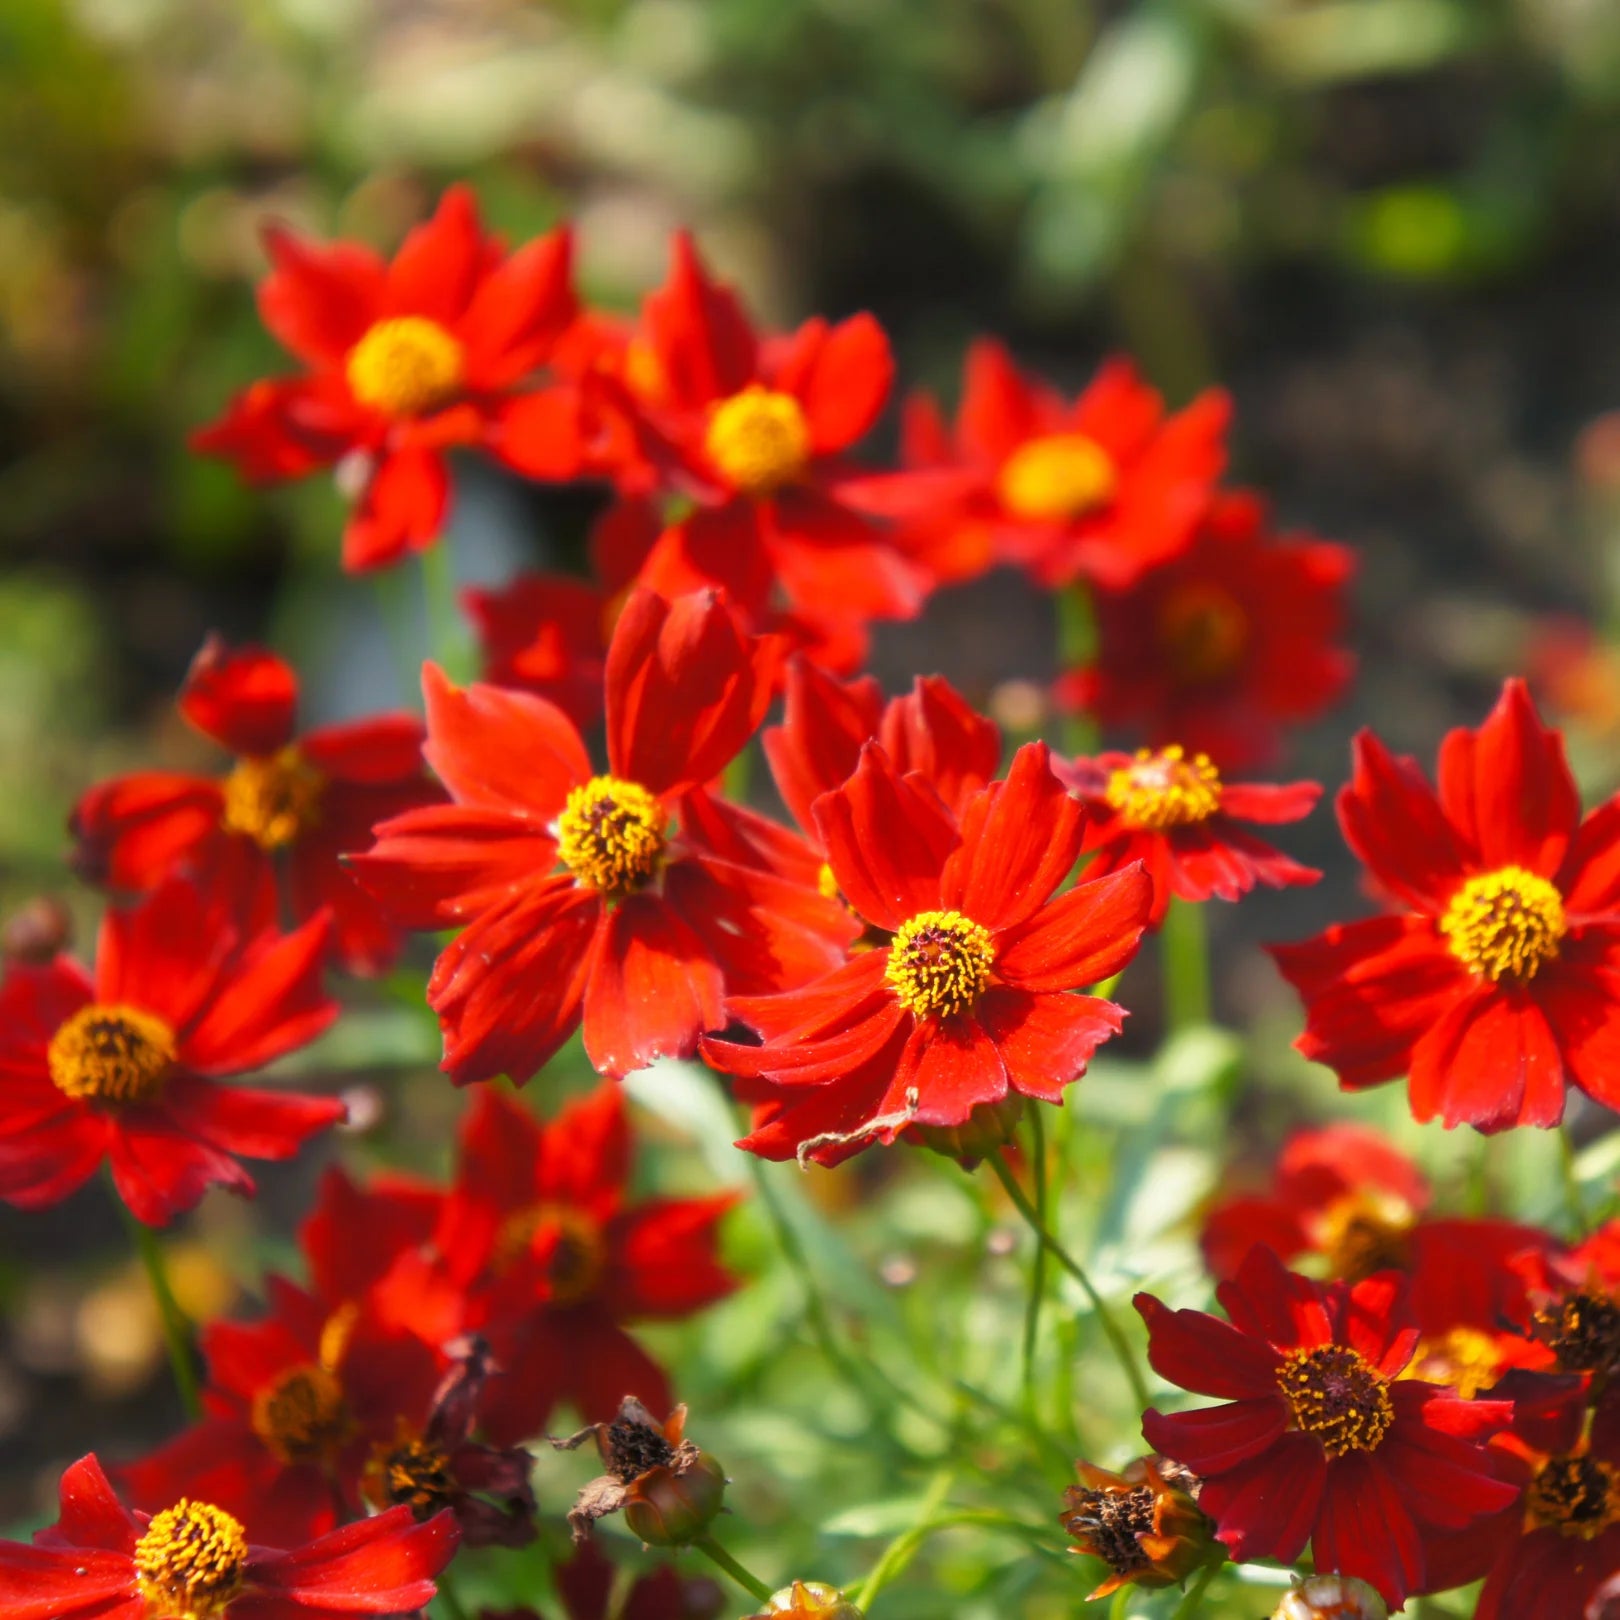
(193, 1561)
(272, 830)
(1492, 983)
(122, 1066)
(1317, 1424)
(1171, 811)
(587, 895)
(1144, 1524)
(404, 362)
(809, 1598)
(960, 994)
(1226, 645)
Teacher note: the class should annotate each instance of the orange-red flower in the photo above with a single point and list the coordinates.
(963, 997)
(1496, 985)
(1225, 645)
(120, 1066)
(1143, 1524)
(1171, 811)
(585, 894)
(193, 1561)
(1320, 1439)
(406, 361)
(547, 634)
(276, 826)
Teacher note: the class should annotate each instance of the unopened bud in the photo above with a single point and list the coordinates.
(1332, 1597)
(36, 932)
(988, 1129)
(812, 1598)
(673, 1506)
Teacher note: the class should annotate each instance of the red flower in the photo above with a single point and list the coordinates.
(99, 1561)
(547, 634)
(289, 809)
(575, 893)
(540, 1229)
(1224, 645)
(1498, 984)
(406, 361)
(1103, 488)
(1320, 1440)
(585, 1584)
(1174, 814)
(965, 1001)
(1571, 1306)
(121, 1065)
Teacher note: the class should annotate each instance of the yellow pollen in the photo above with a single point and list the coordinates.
(1576, 1496)
(189, 1563)
(1365, 1232)
(1505, 924)
(827, 882)
(1064, 475)
(1203, 631)
(405, 367)
(109, 1053)
(274, 799)
(939, 963)
(1462, 1357)
(578, 1255)
(1165, 789)
(301, 1417)
(610, 835)
(1337, 1395)
(410, 1473)
(758, 440)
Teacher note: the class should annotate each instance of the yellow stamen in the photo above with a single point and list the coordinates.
(190, 1561)
(611, 835)
(1366, 1232)
(405, 367)
(111, 1053)
(410, 1473)
(302, 1416)
(1064, 475)
(1461, 1357)
(1339, 1396)
(273, 799)
(1576, 1496)
(939, 963)
(1165, 789)
(759, 440)
(1505, 924)
(1203, 631)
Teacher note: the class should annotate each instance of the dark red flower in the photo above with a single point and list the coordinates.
(1497, 984)
(583, 894)
(120, 1065)
(279, 822)
(547, 634)
(193, 1561)
(406, 361)
(1226, 644)
(966, 999)
(1569, 1307)
(1320, 1440)
(1102, 488)
(1172, 812)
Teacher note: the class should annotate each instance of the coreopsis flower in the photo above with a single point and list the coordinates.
(275, 827)
(1320, 1439)
(584, 895)
(1101, 488)
(1331, 1597)
(405, 362)
(667, 1488)
(122, 1066)
(1493, 985)
(548, 634)
(1171, 811)
(1571, 1305)
(193, 1561)
(539, 1228)
(810, 1597)
(1144, 1524)
(960, 995)
(1224, 646)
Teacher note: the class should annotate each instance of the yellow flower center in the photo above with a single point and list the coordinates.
(827, 882)
(611, 835)
(939, 963)
(1064, 475)
(758, 440)
(410, 1473)
(1165, 789)
(301, 1417)
(1576, 1496)
(1202, 632)
(1505, 924)
(405, 366)
(274, 799)
(109, 1053)
(1461, 1357)
(189, 1563)
(578, 1254)
(1363, 1233)
(1337, 1395)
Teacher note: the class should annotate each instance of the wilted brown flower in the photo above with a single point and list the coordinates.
(1144, 1523)
(810, 1597)
(668, 1490)
(1332, 1597)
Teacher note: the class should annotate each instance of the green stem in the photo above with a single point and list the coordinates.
(1122, 1598)
(393, 596)
(1184, 948)
(1077, 645)
(894, 1558)
(446, 635)
(453, 1605)
(1037, 1277)
(1111, 1328)
(1194, 1600)
(716, 1554)
(1572, 1182)
(176, 1330)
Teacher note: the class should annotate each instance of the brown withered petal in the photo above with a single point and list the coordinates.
(1143, 1523)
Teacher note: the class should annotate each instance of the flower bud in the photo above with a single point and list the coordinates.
(1332, 1597)
(673, 1506)
(1144, 1523)
(985, 1131)
(810, 1597)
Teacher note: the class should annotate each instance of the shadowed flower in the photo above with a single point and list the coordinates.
(1144, 1524)
(811, 1598)
(546, 634)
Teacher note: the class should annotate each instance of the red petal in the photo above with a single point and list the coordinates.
(1268, 1507)
(934, 731)
(1393, 821)
(1364, 1529)
(544, 434)
(381, 1565)
(319, 299)
(254, 1124)
(831, 560)
(519, 311)
(402, 509)
(667, 1260)
(949, 1068)
(160, 1171)
(438, 264)
(247, 700)
(377, 752)
(1273, 1303)
(1199, 1352)
(166, 955)
(1217, 1438)
(1046, 1041)
(89, 1512)
(703, 342)
(134, 831)
(842, 376)
(998, 411)
(1083, 937)
(818, 744)
(1490, 1062)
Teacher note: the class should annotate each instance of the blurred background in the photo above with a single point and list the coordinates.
(1391, 227)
